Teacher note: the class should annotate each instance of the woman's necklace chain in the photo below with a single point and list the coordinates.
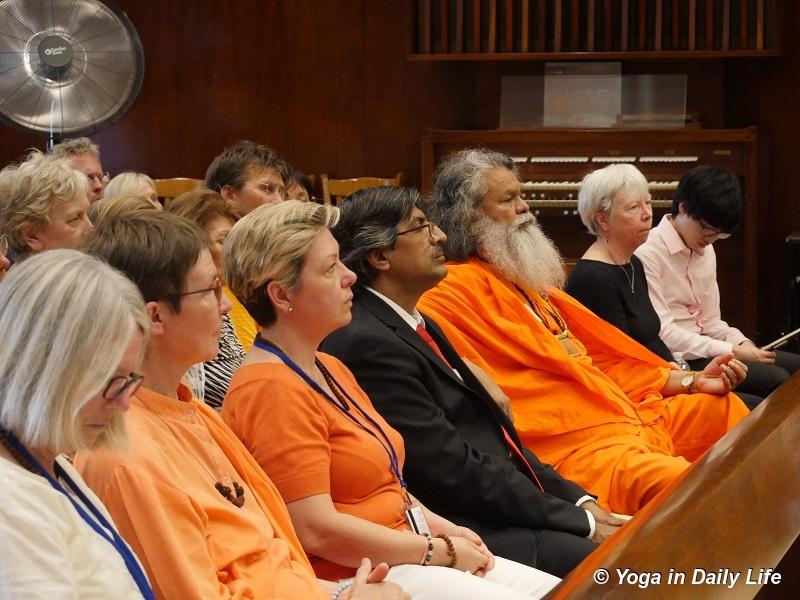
(630, 278)
(224, 490)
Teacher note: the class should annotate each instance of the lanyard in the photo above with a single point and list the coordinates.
(394, 463)
(103, 528)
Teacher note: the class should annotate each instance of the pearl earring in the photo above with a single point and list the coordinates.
(291, 308)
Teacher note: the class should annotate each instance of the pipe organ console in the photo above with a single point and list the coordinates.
(552, 163)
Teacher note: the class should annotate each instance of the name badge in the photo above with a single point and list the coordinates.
(416, 520)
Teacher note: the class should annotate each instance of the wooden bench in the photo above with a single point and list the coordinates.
(735, 511)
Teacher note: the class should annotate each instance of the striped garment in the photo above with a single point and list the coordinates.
(220, 369)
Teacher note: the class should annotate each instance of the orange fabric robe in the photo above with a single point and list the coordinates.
(598, 417)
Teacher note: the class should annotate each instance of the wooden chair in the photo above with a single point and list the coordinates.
(734, 510)
(167, 189)
(335, 189)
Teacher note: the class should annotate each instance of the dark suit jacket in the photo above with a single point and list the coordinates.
(457, 461)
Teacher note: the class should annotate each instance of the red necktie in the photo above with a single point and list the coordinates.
(520, 458)
(426, 337)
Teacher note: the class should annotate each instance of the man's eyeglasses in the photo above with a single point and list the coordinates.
(216, 288)
(431, 229)
(103, 178)
(121, 383)
(709, 231)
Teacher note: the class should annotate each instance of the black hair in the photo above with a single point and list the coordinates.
(712, 195)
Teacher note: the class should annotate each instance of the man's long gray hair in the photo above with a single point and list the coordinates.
(458, 187)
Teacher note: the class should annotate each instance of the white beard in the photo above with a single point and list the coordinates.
(521, 252)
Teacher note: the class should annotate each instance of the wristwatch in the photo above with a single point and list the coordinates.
(687, 381)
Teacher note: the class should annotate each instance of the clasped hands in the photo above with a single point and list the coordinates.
(471, 552)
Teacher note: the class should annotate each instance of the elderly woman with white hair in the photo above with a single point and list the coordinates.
(67, 371)
(615, 206)
(43, 205)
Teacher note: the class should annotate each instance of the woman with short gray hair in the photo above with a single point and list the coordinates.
(67, 371)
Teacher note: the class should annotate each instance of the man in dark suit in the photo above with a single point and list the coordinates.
(464, 459)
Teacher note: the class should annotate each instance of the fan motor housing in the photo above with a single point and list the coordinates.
(55, 51)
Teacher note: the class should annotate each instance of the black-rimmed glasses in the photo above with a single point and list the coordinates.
(709, 231)
(216, 288)
(431, 229)
(121, 383)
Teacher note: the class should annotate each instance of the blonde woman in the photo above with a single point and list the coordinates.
(43, 205)
(131, 183)
(68, 367)
(336, 462)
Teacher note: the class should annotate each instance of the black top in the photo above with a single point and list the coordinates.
(605, 289)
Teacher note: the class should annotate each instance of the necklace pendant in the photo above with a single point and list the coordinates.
(227, 493)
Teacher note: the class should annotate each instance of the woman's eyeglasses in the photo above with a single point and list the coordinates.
(216, 288)
(119, 384)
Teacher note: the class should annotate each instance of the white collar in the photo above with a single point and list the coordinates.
(413, 320)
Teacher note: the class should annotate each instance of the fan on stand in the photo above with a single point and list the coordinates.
(67, 67)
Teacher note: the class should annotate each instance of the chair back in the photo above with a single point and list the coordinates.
(335, 189)
(167, 189)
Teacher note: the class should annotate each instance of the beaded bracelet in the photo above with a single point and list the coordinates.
(451, 550)
(340, 590)
(428, 553)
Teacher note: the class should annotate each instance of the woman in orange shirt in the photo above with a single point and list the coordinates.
(336, 462)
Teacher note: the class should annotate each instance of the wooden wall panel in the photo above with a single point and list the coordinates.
(326, 84)
(767, 94)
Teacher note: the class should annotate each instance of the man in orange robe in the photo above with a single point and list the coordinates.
(604, 410)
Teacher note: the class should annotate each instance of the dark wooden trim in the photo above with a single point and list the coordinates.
(476, 28)
(659, 19)
(624, 17)
(646, 55)
(425, 27)
(558, 25)
(525, 15)
(491, 46)
(459, 41)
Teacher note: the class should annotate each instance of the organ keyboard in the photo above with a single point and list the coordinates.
(552, 163)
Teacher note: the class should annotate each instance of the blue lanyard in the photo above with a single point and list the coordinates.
(102, 528)
(388, 447)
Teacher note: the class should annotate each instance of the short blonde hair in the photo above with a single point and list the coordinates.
(128, 183)
(271, 244)
(75, 147)
(66, 322)
(599, 188)
(111, 208)
(28, 192)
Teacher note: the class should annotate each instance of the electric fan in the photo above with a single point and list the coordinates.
(67, 67)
